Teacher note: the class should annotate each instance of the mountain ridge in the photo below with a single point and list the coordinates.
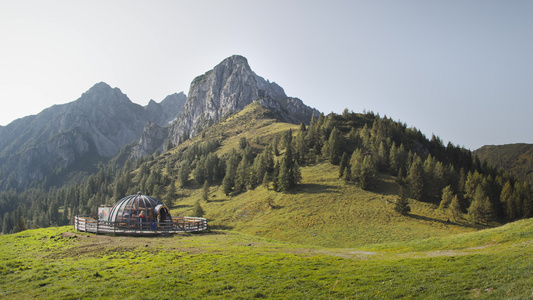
(103, 120)
(516, 158)
(228, 88)
(94, 128)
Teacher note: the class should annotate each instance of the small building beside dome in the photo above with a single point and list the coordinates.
(137, 215)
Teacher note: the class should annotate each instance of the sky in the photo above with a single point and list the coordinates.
(461, 70)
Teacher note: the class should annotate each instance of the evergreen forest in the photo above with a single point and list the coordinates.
(361, 146)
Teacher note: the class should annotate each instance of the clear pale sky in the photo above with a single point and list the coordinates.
(462, 70)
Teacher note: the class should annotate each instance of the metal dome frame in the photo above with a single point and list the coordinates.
(137, 215)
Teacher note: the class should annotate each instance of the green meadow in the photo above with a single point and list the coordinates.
(58, 263)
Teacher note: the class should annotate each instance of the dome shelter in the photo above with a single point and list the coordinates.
(139, 208)
(137, 215)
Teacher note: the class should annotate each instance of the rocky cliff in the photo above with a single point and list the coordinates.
(228, 88)
(165, 112)
(74, 137)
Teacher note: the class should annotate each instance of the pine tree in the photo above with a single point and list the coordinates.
(205, 191)
(265, 180)
(455, 208)
(368, 175)
(170, 196)
(183, 173)
(197, 210)
(20, 226)
(275, 177)
(302, 127)
(447, 197)
(284, 177)
(355, 166)
(231, 172)
(382, 157)
(334, 146)
(344, 165)
(402, 203)
(415, 178)
(241, 176)
(509, 200)
(480, 209)
(6, 223)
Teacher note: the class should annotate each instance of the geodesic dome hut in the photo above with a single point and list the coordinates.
(139, 209)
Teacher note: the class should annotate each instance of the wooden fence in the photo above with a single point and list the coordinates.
(177, 225)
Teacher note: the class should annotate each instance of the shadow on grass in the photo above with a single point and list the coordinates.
(311, 188)
(219, 227)
(386, 187)
(446, 223)
(216, 200)
(180, 206)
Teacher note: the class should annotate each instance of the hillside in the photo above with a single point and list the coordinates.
(488, 264)
(517, 159)
(323, 210)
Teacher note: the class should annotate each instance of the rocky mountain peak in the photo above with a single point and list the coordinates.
(226, 89)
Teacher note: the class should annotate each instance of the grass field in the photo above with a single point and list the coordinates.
(323, 211)
(324, 240)
(59, 263)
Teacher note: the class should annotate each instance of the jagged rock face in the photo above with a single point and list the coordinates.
(97, 125)
(228, 88)
(152, 139)
(77, 135)
(166, 112)
(107, 117)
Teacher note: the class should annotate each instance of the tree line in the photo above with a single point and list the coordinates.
(362, 145)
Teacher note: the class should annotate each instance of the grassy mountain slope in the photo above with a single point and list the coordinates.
(516, 159)
(59, 263)
(324, 211)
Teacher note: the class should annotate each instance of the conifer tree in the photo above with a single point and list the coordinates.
(20, 226)
(275, 176)
(199, 171)
(368, 175)
(447, 197)
(455, 208)
(197, 210)
(355, 165)
(231, 170)
(241, 176)
(524, 195)
(6, 223)
(480, 209)
(415, 178)
(300, 149)
(302, 127)
(509, 200)
(402, 203)
(205, 191)
(284, 181)
(183, 173)
(170, 196)
(344, 164)
(265, 180)
(334, 146)
(382, 159)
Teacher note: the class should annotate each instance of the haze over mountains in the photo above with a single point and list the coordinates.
(74, 137)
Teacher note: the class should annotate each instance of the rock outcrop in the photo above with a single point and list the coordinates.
(228, 88)
(153, 138)
(165, 112)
